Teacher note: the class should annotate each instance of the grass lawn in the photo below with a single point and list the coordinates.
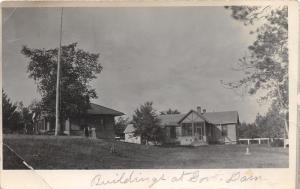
(49, 152)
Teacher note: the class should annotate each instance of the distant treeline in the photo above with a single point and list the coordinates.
(270, 125)
(16, 116)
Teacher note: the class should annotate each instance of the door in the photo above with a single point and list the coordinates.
(199, 132)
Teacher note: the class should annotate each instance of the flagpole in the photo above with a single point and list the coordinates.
(57, 121)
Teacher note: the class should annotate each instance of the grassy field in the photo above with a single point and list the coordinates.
(49, 152)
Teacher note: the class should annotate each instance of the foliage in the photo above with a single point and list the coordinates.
(169, 111)
(10, 115)
(36, 107)
(271, 125)
(265, 126)
(266, 66)
(25, 117)
(120, 126)
(16, 116)
(146, 122)
(78, 69)
(248, 130)
(277, 143)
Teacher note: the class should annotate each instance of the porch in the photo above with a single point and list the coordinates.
(193, 133)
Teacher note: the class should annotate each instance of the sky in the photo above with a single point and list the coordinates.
(174, 57)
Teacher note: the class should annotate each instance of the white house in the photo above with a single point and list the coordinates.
(129, 135)
(200, 127)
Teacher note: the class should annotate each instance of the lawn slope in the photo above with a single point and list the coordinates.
(49, 152)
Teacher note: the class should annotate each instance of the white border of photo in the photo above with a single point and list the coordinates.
(283, 178)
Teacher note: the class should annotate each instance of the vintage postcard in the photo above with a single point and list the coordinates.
(150, 94)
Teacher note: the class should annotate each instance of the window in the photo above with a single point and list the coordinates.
(102, 123)
(209, 128)
(167, 131)
(187, 129)
(173, 132)
(198, 128)
(224, 130)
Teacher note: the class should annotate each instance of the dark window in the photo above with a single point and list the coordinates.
(167, 131)
(224, 130)
(173, 132)
(102, 123)
(198, 128)
(186, 129)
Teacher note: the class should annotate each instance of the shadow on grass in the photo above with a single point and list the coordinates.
(11, 160)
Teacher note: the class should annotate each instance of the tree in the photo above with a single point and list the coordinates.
(121, 125)
(248, 130)
(266, 66)
(146, 122)
(25, 117)
(169, 111)
(270, 125)
(35, 106)
(78, 69)
(10, 114)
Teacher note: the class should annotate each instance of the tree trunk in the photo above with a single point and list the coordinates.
(286, 133)
(286, 127)
(285, 107)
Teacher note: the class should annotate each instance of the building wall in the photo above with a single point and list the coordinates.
(168, 138)
(104, 125)
(217, 136)
(209, 132)
(186, 140)
(231, 134)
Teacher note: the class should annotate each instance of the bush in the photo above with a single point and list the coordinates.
(277, 143)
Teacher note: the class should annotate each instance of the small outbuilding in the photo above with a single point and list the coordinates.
(129, 135)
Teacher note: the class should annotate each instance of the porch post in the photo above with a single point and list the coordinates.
(44, 124)
(48, 125)
(193, 132)
(204, 130)
(67, 127)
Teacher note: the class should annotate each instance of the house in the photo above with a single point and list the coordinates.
(98, 118)
(129, 135)
(201, 128)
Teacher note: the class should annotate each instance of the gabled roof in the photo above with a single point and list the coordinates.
(193, 111)
(170, 119)
(222, 117)
(129, 129)
(226, 117)
(101, 110)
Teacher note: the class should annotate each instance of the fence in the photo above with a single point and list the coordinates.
(258, 140)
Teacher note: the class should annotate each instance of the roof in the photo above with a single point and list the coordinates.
(193, 111)
(129, 129)
(170, 119)
(225, 117)
(101, 110)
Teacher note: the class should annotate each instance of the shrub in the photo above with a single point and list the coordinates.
(277, 143)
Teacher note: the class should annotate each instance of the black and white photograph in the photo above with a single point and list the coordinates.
(181, 87)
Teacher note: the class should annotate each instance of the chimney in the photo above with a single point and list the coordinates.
(199, 109)
(204, 111)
